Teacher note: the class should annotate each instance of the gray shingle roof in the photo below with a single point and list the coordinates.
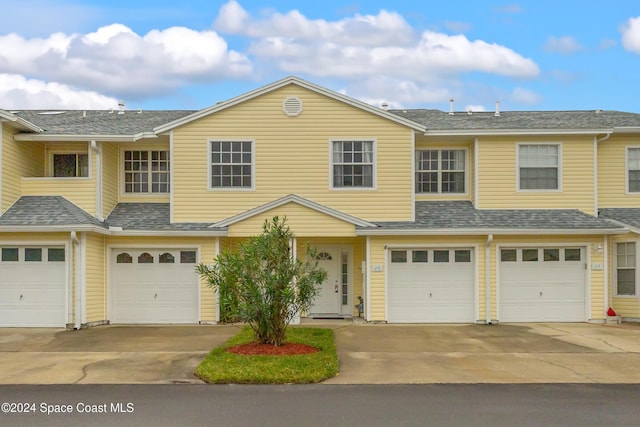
(588, 119)
(99, 122)
(629, 216)
(149, 216)
(46, 211)
(463, 215)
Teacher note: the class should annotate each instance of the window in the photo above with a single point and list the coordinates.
(344, 274)
(419, 256)
(187, 257)
(399, 256)
(142, 168)
(166, 258)
(55, 254)
(9, 254)
(124, 258)
(324, 256)
(633, 170)
(352, 164)
(33, 254)
(626, 268)
(508, 255)
(70, 165)
(145, 258)
(539, 166)
(572, 254)
(231, 164)
(440, 171)
(440, 256)
(529, 255)
(463, 256)
(551, 254)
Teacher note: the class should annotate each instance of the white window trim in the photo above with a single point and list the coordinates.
(374, 169)
(560, 175)
(615, 270)
(50, 166)
(440, 193)
(626, 171)
(121, 161)
(253, 164)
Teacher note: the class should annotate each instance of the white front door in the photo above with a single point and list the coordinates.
(327, 301)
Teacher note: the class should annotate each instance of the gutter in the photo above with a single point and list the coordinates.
(507, 132)
(83, 138)
(487, 279)
(486, 231)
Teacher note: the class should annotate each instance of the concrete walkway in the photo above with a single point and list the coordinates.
(369, 353)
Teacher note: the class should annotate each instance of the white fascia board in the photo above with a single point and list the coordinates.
(25, 124)
(172, 233)
(519, 132)
(486, 231)
(80, 138)
(622, 224)
(277, 85)
(626, 129)
(51, 228)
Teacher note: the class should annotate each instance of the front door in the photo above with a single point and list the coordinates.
(327, 301)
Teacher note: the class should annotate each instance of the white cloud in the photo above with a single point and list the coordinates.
(562, 45)
(457, 27)
(631, 35)
(475, 108)
(17, 92)
(116, 60)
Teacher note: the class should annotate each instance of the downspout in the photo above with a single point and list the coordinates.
(476, 173)
(76, 256)
(217, 290)
(98, 151)
(487, 279)
(607, 304)
(596, 140)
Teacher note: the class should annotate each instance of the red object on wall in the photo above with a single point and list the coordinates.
(611, 312)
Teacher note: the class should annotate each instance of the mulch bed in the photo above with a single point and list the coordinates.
(287, 349)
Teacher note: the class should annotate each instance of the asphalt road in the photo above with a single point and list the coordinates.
(321, 405)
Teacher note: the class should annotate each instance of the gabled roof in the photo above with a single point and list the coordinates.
(461, 217)
(47, 211)
(18, 121)
(513, 122)
(627, 216)
(282, 83)
(151, 217)
(292, 198)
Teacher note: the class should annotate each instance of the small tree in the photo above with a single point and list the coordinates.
(262, 284)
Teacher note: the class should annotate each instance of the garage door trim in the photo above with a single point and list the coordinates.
(430, 246)
(586, 249)
(113, 247)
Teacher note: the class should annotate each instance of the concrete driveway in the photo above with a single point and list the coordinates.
(523, 353)
(369, 354)
(107, 354)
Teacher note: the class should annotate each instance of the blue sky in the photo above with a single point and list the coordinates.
(190, 54)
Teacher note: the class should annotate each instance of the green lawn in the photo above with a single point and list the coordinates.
(220, 367)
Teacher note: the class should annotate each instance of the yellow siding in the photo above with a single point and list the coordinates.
(302, 220)
(378, 253)
(612, 185)
(19, 159)
(96, 289)
(80, 191)
(109, 178)
(625, 306)
(596, 277)
(207, 245)
(292, 156)
(161, 143)
(498, 183)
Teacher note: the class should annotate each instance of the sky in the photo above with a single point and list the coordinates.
(191, 54)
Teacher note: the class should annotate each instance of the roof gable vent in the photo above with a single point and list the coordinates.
(292, 106)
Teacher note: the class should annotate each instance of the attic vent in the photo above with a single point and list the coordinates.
(292, 106)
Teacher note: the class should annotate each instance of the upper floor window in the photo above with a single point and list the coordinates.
(70, 165)
(352, 164)
(633, 170)
(539, 166)
(440, 171)
(231, 164)
(147, 171)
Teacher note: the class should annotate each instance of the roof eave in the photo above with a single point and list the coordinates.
(81, 137)
(19, 121)
(481, 132)
(198, 233)
(52, 228)
(486, 231)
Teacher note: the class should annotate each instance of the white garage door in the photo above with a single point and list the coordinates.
(542, 285)
(154, 286)
(32, 286)
(431, 286)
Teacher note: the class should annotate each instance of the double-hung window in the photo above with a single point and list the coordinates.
(70, 165)
(352, 163)
(440, 171)
(626, 268)
(231, 164)
(147, 171)
(633, 170)
(539, 166)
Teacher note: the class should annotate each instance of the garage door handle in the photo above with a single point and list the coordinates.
(155, 296)
(430, 294)
(540, 293)
(21, 297)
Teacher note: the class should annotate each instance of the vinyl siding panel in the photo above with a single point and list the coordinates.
(498, 176)
(109, 178)
(80, 191)
(377, 302)
(596, 291)
(96, 302)
(19, 159)
(612, 173)
(161, 145)
(206, 245)
(292, 156)
(302, 221)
